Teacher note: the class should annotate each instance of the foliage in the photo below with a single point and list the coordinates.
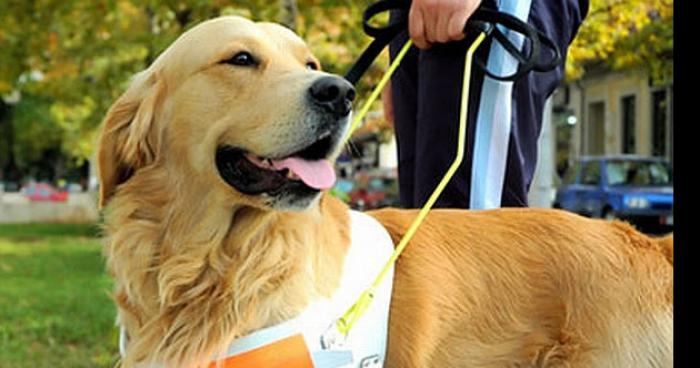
(625, 34)
(70, 59)
(34, 129)
(55, 310)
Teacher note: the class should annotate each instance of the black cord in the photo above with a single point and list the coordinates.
(483, 19)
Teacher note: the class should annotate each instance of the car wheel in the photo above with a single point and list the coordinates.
(609, 214)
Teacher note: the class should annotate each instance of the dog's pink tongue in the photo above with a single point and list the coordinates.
(318, 174)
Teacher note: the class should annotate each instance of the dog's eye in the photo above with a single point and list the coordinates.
(311, 65)
(243, 58)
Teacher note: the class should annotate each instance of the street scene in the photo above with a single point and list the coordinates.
(605, 148)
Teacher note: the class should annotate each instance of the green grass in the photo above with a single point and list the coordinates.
(55, 309)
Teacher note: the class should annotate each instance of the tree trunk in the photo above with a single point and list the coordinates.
(10, 171)
(288, 14)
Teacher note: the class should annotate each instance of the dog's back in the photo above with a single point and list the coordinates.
(525, 287)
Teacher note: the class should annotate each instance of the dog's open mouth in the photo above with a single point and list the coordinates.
(306, 170)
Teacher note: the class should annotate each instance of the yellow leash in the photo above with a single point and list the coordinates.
(378, 89)
(345, 323)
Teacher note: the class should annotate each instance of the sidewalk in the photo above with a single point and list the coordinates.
(79, 208)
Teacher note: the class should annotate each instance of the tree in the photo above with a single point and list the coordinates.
(70, 59)
(625, 35)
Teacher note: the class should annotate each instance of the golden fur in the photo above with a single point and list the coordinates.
(529, 288)
(197, 263)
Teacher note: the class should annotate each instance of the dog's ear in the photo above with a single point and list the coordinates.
(129, 139)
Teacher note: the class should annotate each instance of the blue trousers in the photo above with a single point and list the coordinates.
(504, 120)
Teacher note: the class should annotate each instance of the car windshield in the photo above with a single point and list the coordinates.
(638, 173)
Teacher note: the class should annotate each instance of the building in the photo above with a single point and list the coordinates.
(611, 112)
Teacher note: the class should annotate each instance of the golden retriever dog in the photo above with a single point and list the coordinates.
(213, 166)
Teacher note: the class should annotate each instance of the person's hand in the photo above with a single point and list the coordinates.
(388, 104)
(432, 21)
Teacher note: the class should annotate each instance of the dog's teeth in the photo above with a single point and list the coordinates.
(291, 175)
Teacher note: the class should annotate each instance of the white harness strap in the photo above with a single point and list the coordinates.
(370, 249)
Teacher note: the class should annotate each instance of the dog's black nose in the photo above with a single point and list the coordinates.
(334, 94)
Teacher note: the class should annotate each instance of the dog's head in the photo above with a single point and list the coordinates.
(238, 107)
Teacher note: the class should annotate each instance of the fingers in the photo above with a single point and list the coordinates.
(462, 18)
(455, 27)
(432, 21)
(416, 27)
(440, 33)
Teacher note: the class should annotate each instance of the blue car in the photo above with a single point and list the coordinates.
(633, 188)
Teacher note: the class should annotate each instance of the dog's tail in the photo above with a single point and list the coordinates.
(665, 244)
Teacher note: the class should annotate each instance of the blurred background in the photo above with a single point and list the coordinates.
(606, 149)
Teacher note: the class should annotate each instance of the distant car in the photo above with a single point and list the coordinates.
(379, 191)
(634, 188)
(10, 186)
(44, 192)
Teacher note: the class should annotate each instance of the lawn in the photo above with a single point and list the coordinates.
(55, 309)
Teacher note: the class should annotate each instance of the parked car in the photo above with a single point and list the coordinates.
(374, 190)
(44, 192)
(9, 186)
(634, 188)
